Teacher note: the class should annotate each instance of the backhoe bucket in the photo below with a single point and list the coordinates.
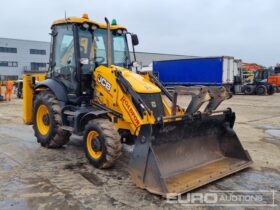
(179, 156)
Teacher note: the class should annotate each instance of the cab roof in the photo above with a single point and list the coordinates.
(84, 19)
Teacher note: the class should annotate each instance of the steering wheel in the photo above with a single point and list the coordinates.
(68, 71)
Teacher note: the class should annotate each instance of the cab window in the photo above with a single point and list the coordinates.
(64, 57)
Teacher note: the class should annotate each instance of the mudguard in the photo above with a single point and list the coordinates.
(57, 88)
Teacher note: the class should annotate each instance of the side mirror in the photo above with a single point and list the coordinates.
(134, 39)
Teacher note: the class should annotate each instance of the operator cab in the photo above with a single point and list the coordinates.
(262, 75)
(79, 46)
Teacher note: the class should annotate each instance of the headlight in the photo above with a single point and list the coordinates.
(93, 27)
(119, 31)
(86, 25)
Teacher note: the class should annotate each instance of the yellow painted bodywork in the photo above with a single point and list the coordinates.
(112, 96)
(108, 92)
(39, 77)
(28, 93)
(81, 20)
(139, 83)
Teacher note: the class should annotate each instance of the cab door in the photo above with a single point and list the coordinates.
(63, 59)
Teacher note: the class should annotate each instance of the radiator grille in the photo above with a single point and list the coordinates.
(154, 102)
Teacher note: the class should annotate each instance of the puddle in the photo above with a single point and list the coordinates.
(266, 127)
(273, 133)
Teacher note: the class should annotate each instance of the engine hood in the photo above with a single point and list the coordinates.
(139, 83)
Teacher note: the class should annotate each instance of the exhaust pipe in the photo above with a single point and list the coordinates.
(109, 48)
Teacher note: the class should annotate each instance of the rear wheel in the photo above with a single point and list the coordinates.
(102, 143)
(248, 90)
(47, 121)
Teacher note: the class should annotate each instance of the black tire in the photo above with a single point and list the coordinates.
(56, 137)
(261, 90)
(248, 90)
(106, 144)
(271, 90)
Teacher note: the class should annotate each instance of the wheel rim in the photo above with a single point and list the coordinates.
(43, 119)
(94, 145)
(248, 90)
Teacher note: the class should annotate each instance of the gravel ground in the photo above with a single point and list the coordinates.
(32, 177)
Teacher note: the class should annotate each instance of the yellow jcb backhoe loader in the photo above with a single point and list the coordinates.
(89, 90)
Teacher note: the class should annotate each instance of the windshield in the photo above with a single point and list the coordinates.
(261, 75)
(94, 48)
(120, 49)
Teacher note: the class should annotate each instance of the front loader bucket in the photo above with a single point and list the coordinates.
(179, 156)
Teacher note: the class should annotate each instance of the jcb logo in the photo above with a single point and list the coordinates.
(104, 82)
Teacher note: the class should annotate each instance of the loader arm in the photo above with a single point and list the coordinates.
(119, 89)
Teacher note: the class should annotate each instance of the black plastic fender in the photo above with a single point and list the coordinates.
(57, 88)
(85, 118)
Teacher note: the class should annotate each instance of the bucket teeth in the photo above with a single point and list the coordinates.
(200, 94)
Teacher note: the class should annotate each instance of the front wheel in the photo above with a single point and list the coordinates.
(102, 143)
(248, 90)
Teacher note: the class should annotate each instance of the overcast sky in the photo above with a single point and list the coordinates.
(246, 29)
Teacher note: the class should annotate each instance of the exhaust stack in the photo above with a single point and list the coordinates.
(109, 48)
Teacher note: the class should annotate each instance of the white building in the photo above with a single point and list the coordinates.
(18, 55)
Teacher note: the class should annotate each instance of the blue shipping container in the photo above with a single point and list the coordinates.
(194, 71)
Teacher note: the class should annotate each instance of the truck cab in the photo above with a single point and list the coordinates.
(260, 84)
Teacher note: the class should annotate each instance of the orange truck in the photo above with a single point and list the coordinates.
(275, 78)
